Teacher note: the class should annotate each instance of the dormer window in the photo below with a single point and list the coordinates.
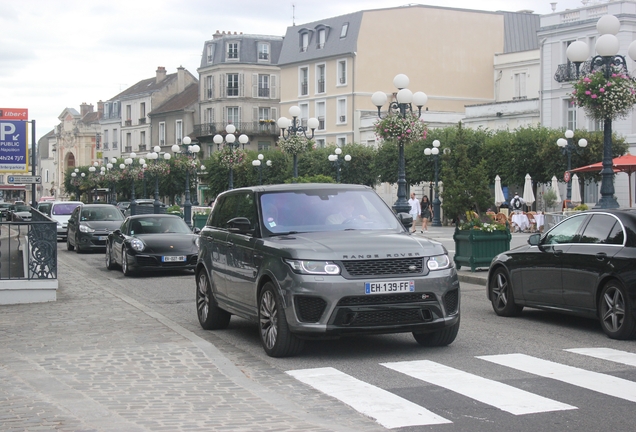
(263, 52)
(211, 53)
(304, 42)
(321, 38)
(343, 31)
(232, 51)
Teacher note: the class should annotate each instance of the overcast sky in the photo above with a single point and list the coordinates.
(59, 53)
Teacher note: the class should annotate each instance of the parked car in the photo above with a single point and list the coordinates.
(322, 261)
(585, 265)
(152, 242)
(123, 205)
(19, 212)
(4, 209)
(44, 207)
(144, 205)
(89, 226)
(60, 212)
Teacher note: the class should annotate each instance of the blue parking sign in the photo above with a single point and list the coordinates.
(13, 146)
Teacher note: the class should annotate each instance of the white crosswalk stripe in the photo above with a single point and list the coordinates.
(389, 410)
(502, 396)
(601, 383)
(609, 354)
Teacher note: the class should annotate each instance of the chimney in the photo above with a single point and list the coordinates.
(100, 108)
(217, 35)
(85, 109)
(180, 79)
(161, 74)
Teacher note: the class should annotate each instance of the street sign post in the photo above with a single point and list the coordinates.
(24, 179)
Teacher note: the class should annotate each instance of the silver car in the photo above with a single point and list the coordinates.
(322, 260)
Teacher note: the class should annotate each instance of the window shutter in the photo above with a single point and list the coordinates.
(241, 85)
(224, 120)
(274, 112)
(272, 85)
(212, 87)
(255, 118)
(211, 115)
(240, 115)
(223, 87)
(254, 85)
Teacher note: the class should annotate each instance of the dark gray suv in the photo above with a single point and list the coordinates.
(322, 260)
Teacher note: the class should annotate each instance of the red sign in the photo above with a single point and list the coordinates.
(566, 176)
(14, 114)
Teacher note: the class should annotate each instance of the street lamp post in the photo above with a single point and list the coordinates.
(567, 146)
(196, 184)
(133, 202)
(230, 139)
(258, 163)
(76, 182)
(112, 194)
(335, 158)
(156, 205)
(190, 151)
(294, 126)
(436, 202)
(402, 106)
(607, 60)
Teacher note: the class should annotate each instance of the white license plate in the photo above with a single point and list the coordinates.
(389, 287)
(173, 258)
(102, 238)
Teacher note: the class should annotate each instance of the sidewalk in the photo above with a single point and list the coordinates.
(97, 360)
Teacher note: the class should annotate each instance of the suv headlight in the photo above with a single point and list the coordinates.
(313, 267)
(137, 245)
(85, 229)
(438, 262)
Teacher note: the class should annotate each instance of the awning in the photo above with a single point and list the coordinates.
(13, 187)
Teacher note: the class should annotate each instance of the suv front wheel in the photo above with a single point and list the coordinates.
(276, 338)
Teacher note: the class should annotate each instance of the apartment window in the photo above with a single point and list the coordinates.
(570, 107)
(321, 38)
(320, 114)
(178, 131)
(263, 52)
(162, 133)
(520, 86)
(304, 81)
(233, 115)
(232, 84)
(263, 114)
(211, 52)
(304, 42)
(142, 138)
(263, 85)
(128, 142)
(232, 51)
(320, 142)
(128, 115)
(320, 78)
(209, 87)
(341, 111)
(263, 145)
(209, 115)
(341, 141)
(142, 109)
(106, 138)
(344, 30)
(304, 114)
(115, 139)
(342, 72)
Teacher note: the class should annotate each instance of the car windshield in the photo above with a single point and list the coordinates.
(101, 214)
(325, 210)
(158, 225)
(63, 209)
(21, 208)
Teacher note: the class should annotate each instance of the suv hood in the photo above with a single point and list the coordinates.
(353, 245)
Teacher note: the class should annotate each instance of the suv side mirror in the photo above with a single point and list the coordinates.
(240, 225)
(406, 219)
(534, 239)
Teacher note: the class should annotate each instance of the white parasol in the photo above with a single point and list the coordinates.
(499, 195)
(555, 188)
(576, 190)
(528, 195)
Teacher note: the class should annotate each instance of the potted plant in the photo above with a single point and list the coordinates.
(200, 217)
(479, 240)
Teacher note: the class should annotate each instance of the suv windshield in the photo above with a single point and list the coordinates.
(63, 209)
(325, 210)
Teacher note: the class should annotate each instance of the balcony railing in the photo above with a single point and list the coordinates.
(567, 72)
(142, 147)
(142, 120)
(303, 89)
(115, 145)
(259, 127)
(321, 86)
(128, 123)
(128, 149)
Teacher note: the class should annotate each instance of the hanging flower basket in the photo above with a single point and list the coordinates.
(295, 144)
(160, 169)
(394, 127)
(230, 157)
(604, 98)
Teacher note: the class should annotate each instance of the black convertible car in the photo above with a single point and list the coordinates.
(152, 242)
(585, 265)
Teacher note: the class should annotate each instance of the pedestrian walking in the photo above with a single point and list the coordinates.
(415, 209)
(426, 212)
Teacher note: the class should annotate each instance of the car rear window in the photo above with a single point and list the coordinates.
(63, 209)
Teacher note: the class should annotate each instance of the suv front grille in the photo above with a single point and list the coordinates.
(383, 317)
(386, 299)
(384, 267)
(309, 309)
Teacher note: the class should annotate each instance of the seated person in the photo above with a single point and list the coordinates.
(346, 214)
(167, 226)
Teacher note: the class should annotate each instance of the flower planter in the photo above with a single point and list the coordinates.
(476, 248)
(199, 220)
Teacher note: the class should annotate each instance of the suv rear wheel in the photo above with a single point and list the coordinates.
(276, 338)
